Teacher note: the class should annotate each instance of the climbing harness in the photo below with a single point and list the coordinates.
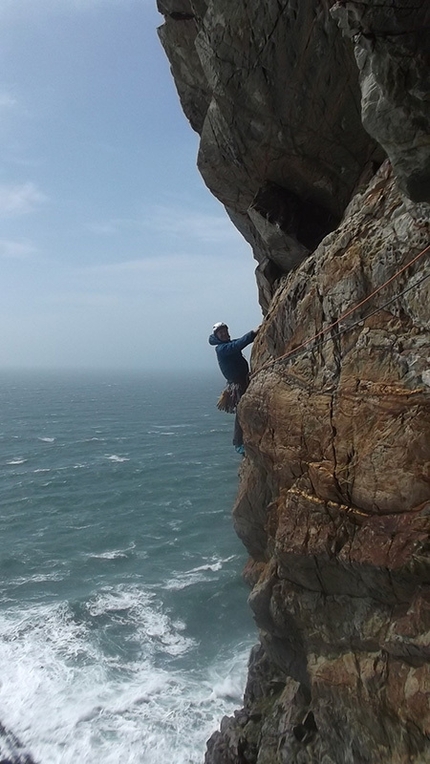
(303, 345)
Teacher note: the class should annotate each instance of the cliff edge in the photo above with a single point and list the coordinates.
(314, 120)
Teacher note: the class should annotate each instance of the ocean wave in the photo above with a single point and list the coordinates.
(70, 695)
(113, 554)
(152, 627)
(216, 564)
(37, 578)
(108, 556)
(171, 426)
(184, 580)
(47, 440)
(13, 462)
(116, 458)
(197, 575)
(167, 433)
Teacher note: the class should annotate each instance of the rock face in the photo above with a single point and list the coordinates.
(334, 496)
(12, 750)
(334, 502)
(274, 94)
(392, 48)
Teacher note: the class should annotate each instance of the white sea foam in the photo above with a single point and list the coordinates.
(138, 606)
(113, 554)
(47, 440)
(68, 699)
(214, 566)
(36, 578)
(116, 458)
(196, 575)
(16, 461)
(108, 556)
(171, 426)
(184, 580)
(161, 432)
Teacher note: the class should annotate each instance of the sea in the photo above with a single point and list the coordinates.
(124, 625)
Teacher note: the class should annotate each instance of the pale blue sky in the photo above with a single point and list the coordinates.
(113, 252)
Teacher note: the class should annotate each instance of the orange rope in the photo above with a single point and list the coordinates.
(345, 315)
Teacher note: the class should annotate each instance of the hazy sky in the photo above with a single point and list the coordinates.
(113, 252)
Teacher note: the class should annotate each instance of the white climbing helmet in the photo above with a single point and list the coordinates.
(217, 326)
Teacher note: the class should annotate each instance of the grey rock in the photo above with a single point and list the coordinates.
(275, 98)
(12, 750)
(334, 490)
(392, 44)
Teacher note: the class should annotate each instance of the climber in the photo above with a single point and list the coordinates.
(234, 367)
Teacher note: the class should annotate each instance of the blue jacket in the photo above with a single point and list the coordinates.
(232, 363)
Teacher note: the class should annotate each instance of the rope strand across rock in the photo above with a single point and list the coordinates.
(349, 312)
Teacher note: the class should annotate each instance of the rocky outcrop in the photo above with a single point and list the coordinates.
(392, 49)
(334, 496)
(12, 751)
(334, 501)
(275, 97)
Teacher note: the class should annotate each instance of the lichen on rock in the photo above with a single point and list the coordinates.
(333, 503)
